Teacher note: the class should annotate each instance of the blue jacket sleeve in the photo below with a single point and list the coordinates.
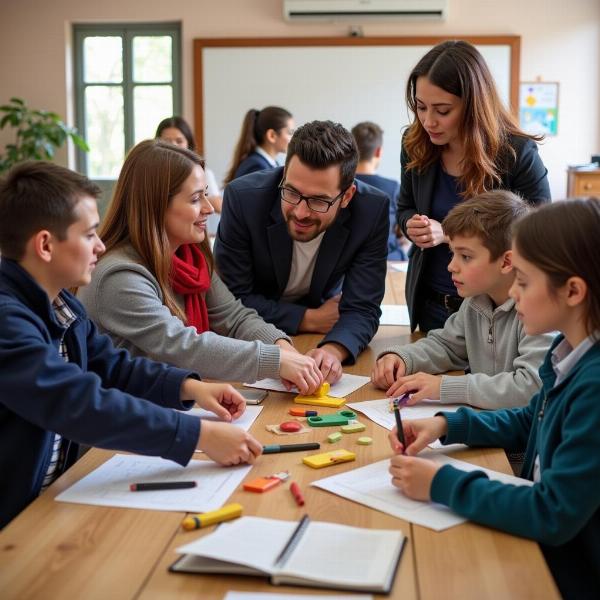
(363, 290)
(553, 510)
(85, 406)
(234, 258)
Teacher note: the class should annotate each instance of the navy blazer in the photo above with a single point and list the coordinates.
(253, 252)
(524, 175)
(252, 163)
(95, 398)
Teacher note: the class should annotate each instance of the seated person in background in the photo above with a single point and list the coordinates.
(369, 141)
(176, 130)
(62, 382)
(306, 246)
(155, 290)
(484, 336)
(265, 133)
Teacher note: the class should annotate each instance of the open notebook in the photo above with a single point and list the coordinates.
(309, 553)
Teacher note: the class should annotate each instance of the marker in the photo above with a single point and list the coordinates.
(276, 448)
(225, 513)
(297, 493)
(400, 430)
(161, 485)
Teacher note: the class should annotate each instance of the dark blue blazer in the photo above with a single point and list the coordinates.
(253, 162)
(391, 188)
(253, 252)
(94, 399)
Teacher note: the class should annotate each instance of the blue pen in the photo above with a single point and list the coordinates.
(400, 430)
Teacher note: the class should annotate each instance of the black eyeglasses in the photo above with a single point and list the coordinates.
(317, 204)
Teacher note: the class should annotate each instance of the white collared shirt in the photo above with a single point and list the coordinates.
(266, 156)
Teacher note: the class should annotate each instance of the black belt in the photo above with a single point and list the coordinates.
(448, 301)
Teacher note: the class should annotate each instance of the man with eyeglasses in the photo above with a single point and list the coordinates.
(306, 245)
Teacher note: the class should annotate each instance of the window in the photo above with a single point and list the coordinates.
(127, 80)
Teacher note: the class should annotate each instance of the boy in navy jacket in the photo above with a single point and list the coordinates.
(61, 382)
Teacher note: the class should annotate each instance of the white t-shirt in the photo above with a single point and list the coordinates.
(304, 258)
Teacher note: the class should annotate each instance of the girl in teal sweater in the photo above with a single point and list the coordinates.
(556, 256)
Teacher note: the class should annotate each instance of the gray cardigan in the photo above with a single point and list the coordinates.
(502, 360)
(125, 301)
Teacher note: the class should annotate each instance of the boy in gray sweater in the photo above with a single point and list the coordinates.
(485, 337)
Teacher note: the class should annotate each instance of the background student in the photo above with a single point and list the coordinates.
(462, 142)
(176, 130)
(485, 335)
(265, 133)
(557, 287)
(369, 141)
(62, 382)
(155, 291)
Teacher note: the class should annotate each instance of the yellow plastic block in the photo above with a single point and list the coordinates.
(353, 428)
(326, 459)
(364, 441)
(320, 398)
(334, 437)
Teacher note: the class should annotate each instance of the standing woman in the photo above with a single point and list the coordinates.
(155, 291)
(265, 133)
(461, 142)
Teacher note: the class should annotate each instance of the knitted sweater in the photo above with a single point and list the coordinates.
(125, 301)
(490, 343)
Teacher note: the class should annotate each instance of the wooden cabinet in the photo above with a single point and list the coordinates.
(582, 182)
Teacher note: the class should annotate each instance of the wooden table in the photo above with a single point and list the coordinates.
(60, 550)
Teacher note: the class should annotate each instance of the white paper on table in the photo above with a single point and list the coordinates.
(399, 266)
(274, 596)
(372, 486)
(108, 485)
(344, 387)
(379, 412)
(394, 314)
(245, 421)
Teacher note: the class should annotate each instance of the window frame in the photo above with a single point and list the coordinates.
(127, 31)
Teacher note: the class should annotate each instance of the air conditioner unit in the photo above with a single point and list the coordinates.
(361, 10)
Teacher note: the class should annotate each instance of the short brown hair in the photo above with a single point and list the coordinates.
(321, 144)
(368, 137)
(37, 195)
(561, 239)
(488, 216)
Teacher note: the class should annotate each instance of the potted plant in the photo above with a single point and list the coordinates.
(39, 133)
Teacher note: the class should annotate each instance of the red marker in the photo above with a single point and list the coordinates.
(298, 497)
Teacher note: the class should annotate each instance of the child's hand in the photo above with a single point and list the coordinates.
(413, 476)
(228, 444)
(418, 434)
(419, 385)
(300, 370)
(386, 370)
(220, 398)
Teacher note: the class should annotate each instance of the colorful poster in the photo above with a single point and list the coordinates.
(538, 107)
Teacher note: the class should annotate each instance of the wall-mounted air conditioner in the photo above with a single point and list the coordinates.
(361, 10)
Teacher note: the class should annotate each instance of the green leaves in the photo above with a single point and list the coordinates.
(38, 134)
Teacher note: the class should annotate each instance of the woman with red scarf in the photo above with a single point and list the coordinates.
(155, 291)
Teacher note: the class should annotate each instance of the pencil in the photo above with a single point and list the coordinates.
(400, 430)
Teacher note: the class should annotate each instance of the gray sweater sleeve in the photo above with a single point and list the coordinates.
(508, 389)
(442, 350)
(126, 302)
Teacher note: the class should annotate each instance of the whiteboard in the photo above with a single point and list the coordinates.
(347, 84)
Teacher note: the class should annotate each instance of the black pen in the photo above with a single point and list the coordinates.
(276, 448)
(161, 485)
(400, 430)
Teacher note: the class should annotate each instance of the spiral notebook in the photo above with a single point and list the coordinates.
(308, 553)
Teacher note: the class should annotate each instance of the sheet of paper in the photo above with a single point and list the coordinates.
(344, 387)
(372, 486)
(245, 421)
(108, 485)
(270, 596)
(399, 266)
(394, 314)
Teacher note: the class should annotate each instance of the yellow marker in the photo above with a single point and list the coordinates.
(225, 513)
(320, 398)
